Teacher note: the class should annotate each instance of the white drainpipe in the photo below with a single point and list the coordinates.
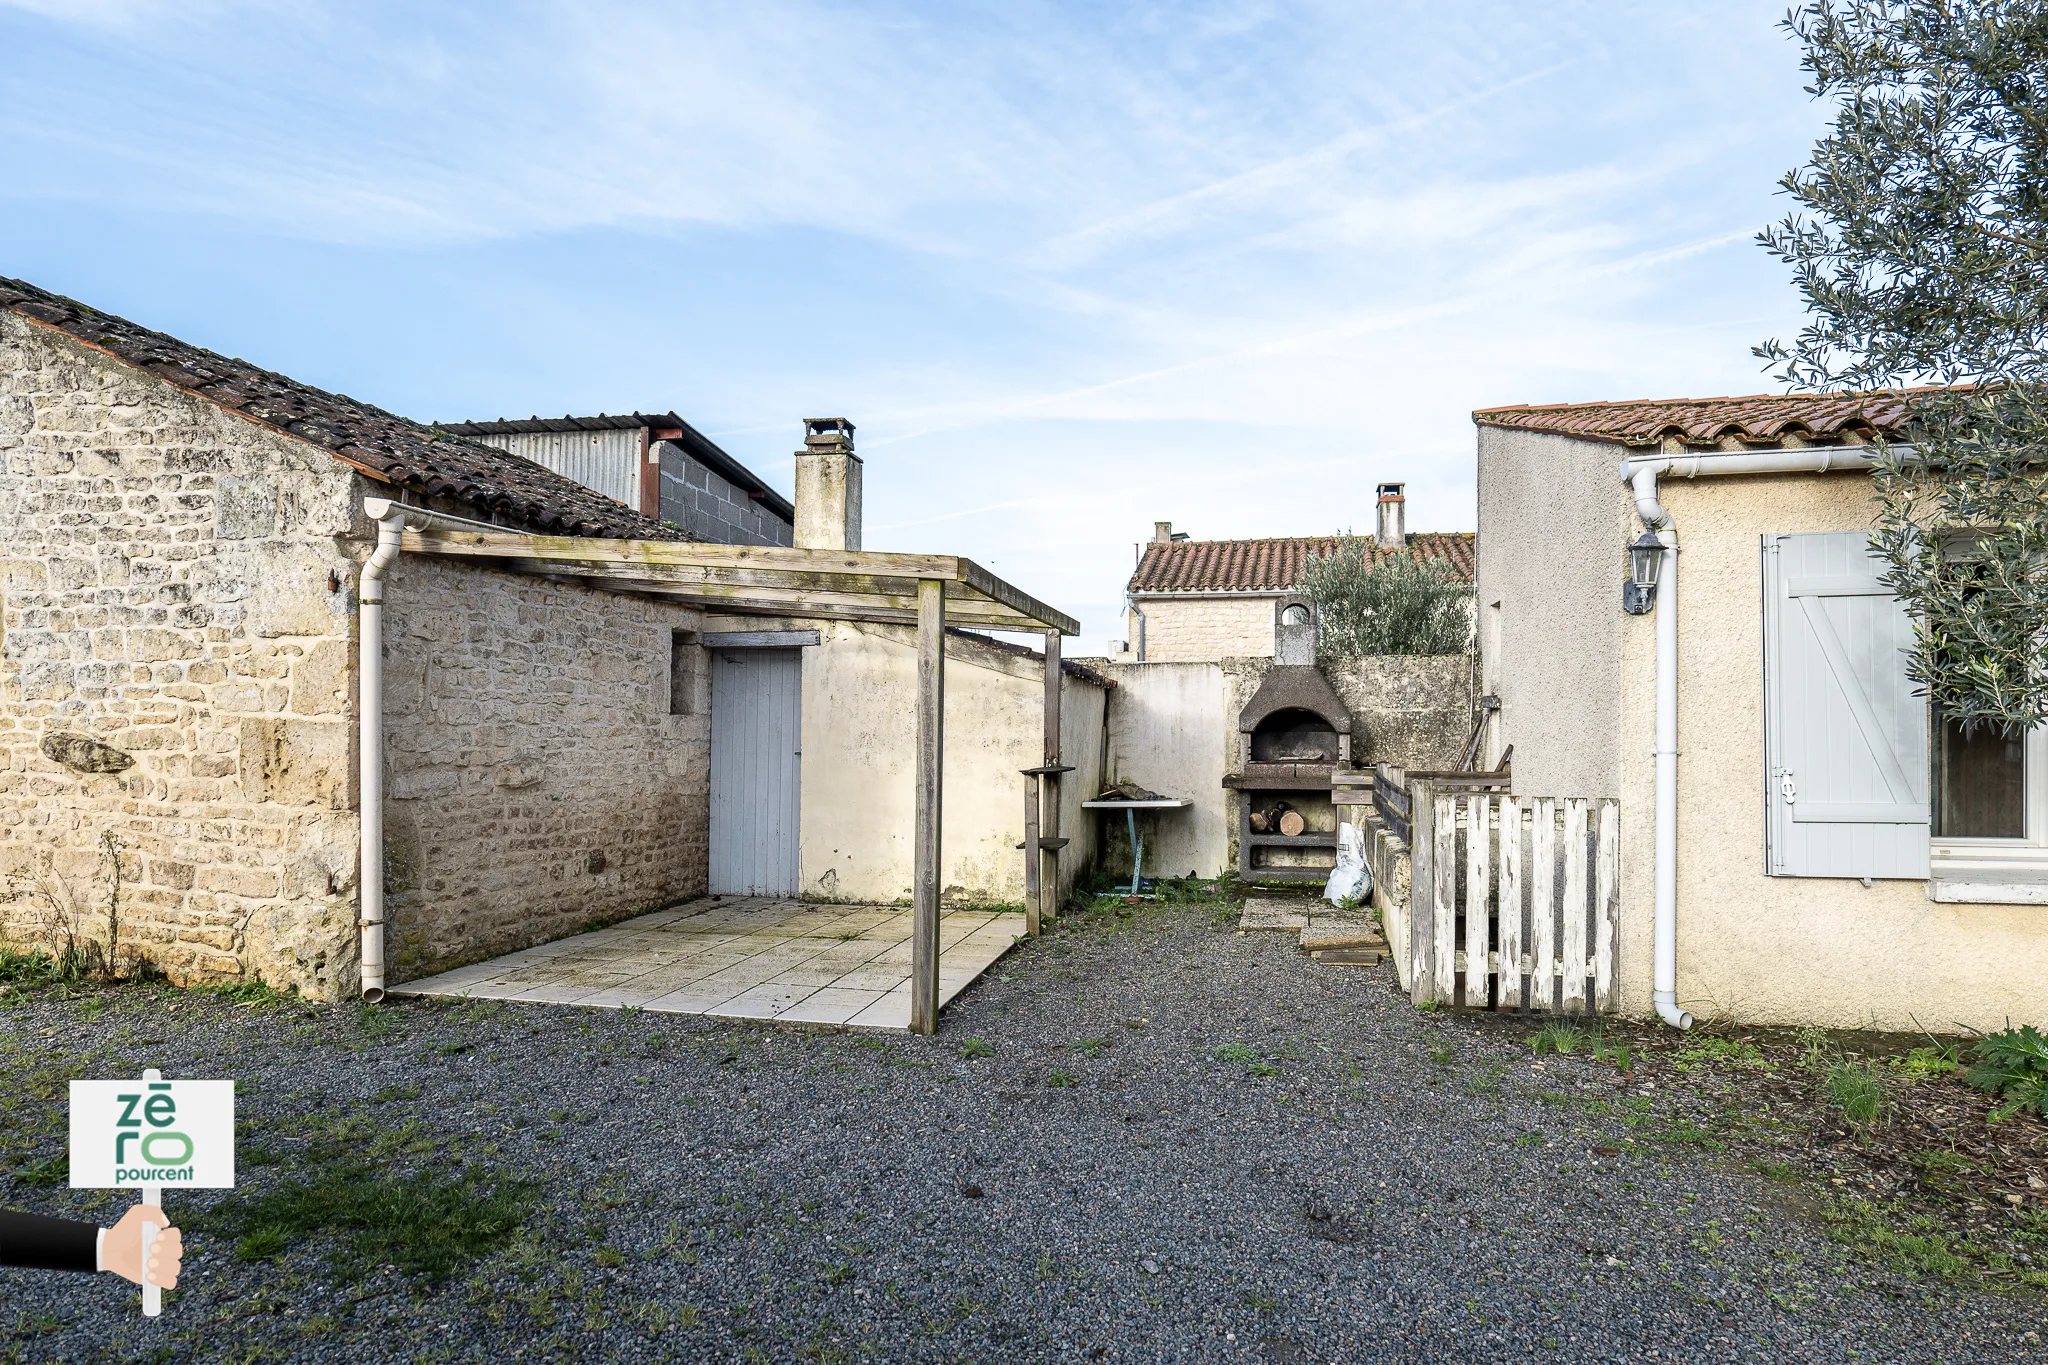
(370, 741)
(392, 519)
(1641, 474)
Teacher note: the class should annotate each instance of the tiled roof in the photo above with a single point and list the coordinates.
(1760, 419)
(1273, 565)
(383, 446)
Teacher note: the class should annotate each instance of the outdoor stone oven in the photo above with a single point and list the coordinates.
(1294, 734)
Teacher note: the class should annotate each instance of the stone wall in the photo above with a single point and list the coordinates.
(175, 674)
(536, 778)
(1203, 629)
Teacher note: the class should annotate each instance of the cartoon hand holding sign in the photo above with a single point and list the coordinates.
(145, 1135)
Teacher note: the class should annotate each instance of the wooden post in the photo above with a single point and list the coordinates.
(931, 749)
(1478, 895)
(1422, 892)
(1031, 858)
(1445, 912)
(1053, 790)
(1510, 903)
(1572, 919)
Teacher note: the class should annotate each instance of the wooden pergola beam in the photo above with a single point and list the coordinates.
(858, 572)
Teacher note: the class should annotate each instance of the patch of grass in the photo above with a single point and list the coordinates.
(32, 971)
(249, 994)
(610, 1257)
(1704, 1048)
(426, 1224)
(1919, 1245)
(1092, 1047)
(1237, 1054)
(1615, 1054)
(44, 1174)
(1443, 1056)
(1557, 1035)
(1684, 1132)
(1777, 1172)
(1857, 1089)
(975, 1048)
(1060, 1080)
(396, 1092)
(1486, 1080)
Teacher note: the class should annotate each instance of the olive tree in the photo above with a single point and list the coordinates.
(1920, 246)
(1402, 605)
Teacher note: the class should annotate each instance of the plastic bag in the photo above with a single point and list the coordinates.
(1349, 877)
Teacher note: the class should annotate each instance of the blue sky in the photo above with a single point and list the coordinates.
(1071, 268)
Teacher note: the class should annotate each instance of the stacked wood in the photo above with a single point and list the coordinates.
(1292, 823)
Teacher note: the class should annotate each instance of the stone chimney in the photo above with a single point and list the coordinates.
(827, 486)
(1393, 532)
(1162, 532)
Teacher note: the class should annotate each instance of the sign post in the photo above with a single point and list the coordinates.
(149, 1134)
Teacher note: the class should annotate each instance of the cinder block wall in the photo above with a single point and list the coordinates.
(535, 777)
(707, 507)
(164, 572)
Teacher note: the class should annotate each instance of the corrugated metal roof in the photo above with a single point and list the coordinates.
(386, 447)
(1274, 565)
(1758, 419)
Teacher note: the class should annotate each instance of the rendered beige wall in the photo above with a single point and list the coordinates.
(1763, 949)
(1204, 629)
(535, 780)
(859, 747)
(1173, 729)
(1552, 525)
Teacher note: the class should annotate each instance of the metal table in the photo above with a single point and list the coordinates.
(1130, 810)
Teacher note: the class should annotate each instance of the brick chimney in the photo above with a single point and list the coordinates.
(1393, 530)
(827, 486)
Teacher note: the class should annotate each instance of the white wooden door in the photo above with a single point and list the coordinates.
(756, 711)
(1845, 736)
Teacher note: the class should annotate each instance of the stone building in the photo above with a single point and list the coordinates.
(659, 464)
(1199, 601)
(182, 548)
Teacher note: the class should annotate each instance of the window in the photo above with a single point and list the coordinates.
(684, 654)
(1990, 800)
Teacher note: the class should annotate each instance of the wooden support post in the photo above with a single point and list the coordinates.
(1048, 904)
(1031, 854)
(1421, 892)
(931, 748)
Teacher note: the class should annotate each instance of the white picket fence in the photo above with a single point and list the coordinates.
(1513, 901)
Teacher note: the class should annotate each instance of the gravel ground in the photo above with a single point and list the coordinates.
(1348, 1180)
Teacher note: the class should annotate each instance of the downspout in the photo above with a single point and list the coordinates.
(393, 519)
(1641, 475)
(370, 740)
(1138, 612)
(1664, 978)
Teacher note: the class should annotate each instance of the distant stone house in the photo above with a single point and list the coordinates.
(1194, 601)
(657, 464)
(183, 541)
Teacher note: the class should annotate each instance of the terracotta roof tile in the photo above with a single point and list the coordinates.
(1762, 419)
(1273, 565)
(383, 446)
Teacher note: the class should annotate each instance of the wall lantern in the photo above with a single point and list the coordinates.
(1645, 559)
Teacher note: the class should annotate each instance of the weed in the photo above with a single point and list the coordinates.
(1616, 1054)
(1092, 1047)
(689, 1315)
(975, 1048)
(1557, 1035)
(1238, 1054)
(43, 1174)
(1857, 1089)
(1532, 1138)
(1059, 1080)
(1443, 1056)
(2013, 1064)
(1917, 1244)
(609, 1257)
(1777, 1172)
(1260, 1301)
(396, 1092)
(1939, 1060)
(1486, 1080)
(839, 1272)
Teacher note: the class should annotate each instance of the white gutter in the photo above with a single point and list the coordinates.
(392, 519)
(1641, 474)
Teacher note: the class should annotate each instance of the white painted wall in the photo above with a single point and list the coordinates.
(1168, 731)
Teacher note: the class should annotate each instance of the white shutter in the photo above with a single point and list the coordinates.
(1845, 738)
